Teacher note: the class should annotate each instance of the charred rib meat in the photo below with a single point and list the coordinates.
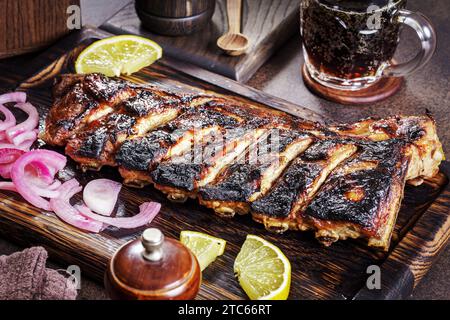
(254, 173)
(343, 181)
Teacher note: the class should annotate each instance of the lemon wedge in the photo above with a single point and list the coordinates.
(118, 55)
(263, 270)
(205, 247)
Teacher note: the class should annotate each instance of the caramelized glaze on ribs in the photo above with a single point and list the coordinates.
(80, 100)
(95, 145)
(362, 197)
(250, 178)
(343, 181)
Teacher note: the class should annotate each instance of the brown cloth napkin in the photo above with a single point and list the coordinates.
(23, 276)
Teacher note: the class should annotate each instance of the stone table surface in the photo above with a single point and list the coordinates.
(429, 88)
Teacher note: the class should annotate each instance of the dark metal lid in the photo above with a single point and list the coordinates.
(175, 8)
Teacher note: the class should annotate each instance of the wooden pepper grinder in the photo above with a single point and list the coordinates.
(175, 17)
(153, 268)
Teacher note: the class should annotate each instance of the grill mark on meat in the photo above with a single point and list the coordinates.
(231, 131)
(94, 144)
(185, 174)
(139, 153)
(93, 148)
(301, 180)
(79, 101)
(250, 177)
(363, 193)
(175, 138)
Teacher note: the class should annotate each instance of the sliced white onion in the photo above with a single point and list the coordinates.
(101, 195)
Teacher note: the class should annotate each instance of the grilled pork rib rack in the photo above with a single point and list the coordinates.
(342, 181)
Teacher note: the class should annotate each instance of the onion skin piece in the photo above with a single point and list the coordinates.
(147, 212)
(67, 213)
(50, 158)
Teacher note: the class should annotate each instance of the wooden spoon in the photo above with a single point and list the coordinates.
(234, 42)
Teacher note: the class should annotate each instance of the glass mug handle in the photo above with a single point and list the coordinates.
(427, 35)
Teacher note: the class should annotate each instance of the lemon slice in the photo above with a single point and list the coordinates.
(205, 247)
(118, 55)
(263, 270)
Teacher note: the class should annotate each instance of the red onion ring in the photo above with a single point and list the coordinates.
(147, 212)
(27, 144)
(24, 137)
(18, 97)
(9, 186)
(26, 127)
(46, 193)
(67, 213)
(55, 185)
(5, 170)
(46, 157)
(10, 120)
(11, 146)
(8, 155)
(40, 173)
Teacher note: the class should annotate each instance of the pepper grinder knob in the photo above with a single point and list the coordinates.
(153, 267)
(152, 240)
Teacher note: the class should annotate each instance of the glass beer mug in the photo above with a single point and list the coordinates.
(349, 44)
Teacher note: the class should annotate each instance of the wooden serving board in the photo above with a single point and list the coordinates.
(268, 24)
(337, 272)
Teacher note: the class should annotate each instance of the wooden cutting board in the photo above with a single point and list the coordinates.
(337, 272)
(268, 24)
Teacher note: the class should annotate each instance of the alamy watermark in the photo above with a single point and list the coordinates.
(74, 17)
(74, 279)
(374, 20)
(373, 282)
(202, 146)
